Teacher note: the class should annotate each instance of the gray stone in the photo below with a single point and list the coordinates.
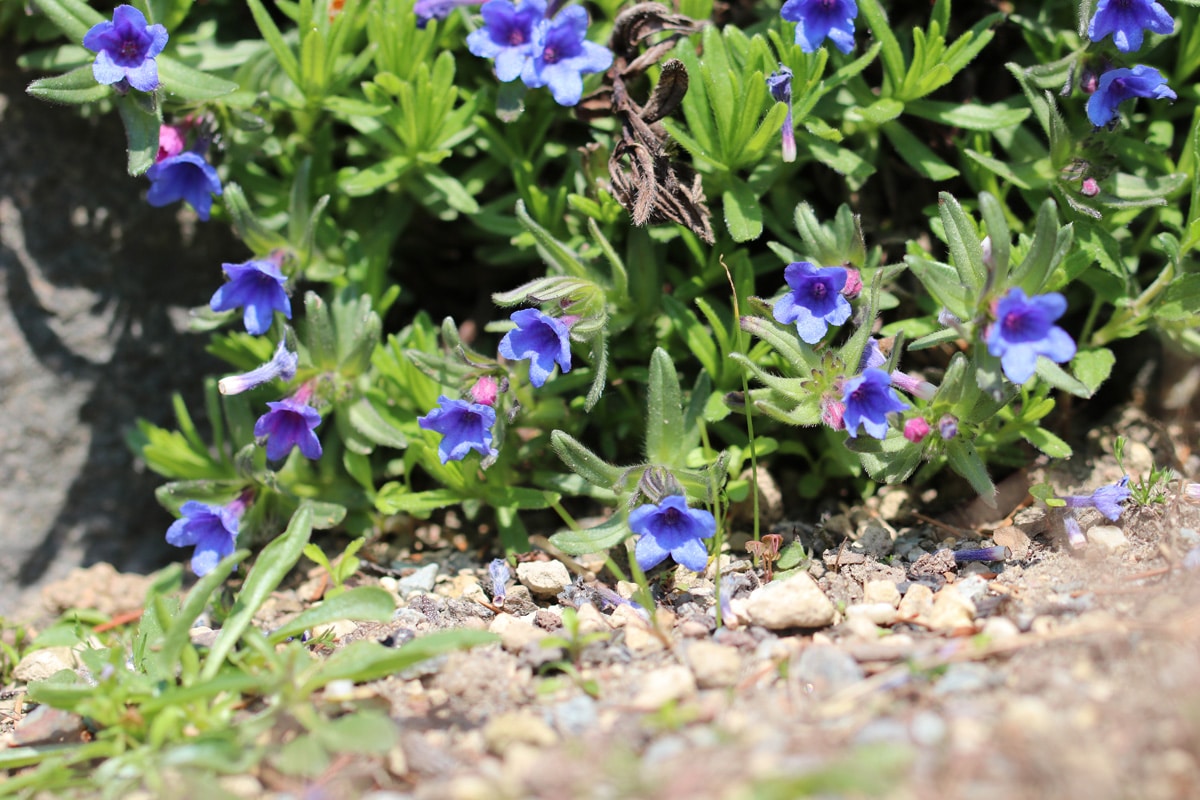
(574, 717)
(42, 664)
(714, 665)
(543, 578)
(827, 668)
(793, 603)
(422, 580)
(664, 685)
(966, 678)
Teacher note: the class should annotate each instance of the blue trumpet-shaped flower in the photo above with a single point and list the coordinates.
(126, 48)
(184, 176)
(290, 423)
(1127, 21)
(672, 529)
(869, 398)
(282, 365)
(540, 338)
(212, 530)
(818, 20)
(779, 83)
(562, 56)
(815, 301)
(1118, 85)
(257, 288)
(1107, 499)
(1024, 329)
(464, 427)
(507, 35)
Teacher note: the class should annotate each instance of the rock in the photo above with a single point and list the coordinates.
(714, 665)
(965, 679)
(41, 664)
(664, 685)
(862, 628)
(877, 613)
(999, 629)
(950, 611)
(543, 578)
(591, 620)
(464, 585)
(335, 630)
(974, 588)
(1108, 538)
(917, 602)
(624, 615)
(574, 717)
(515, 632)
(517, 727)
(1014, 539)
(793, 603)
(880, 591)
(420, 581)
(640, 639)
(827, 668)
(875, 540)
(203, 636)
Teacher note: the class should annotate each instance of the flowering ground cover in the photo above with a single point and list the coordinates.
(756, 262)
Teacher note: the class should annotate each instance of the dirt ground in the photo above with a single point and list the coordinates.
(1061, 672)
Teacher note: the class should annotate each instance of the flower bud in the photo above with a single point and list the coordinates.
(916, 429)
(484, 391)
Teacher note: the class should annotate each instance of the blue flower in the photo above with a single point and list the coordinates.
(672, 529)
(542, 339)
(869, 398)
(562, 54)
(815, 301)
(125, 49)
(1107, 499)
(427, 10)
(1118, 85)
(817, 20)
(186, 176)
(212, 530)
(1127, 21)
(1024, 329)
(780, 85)
(282, 365)
(507, 35)
(256, 286)
(464, 427)
(290, 423)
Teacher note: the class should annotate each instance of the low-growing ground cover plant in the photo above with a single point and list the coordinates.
(724, 233)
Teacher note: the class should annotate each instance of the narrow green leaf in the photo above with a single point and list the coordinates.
(743, 215)
(394, 499)
(143, 118)
(178, 634)
(966, 250)
(584, 463)
(664, 411)
(365, 661)
(1047, 442)
(893, 57)
(971, 116)
(181, 82)
(366, 419)
(73, 17)
(553, 251)
(274, 39)
(363, 603)
(966, 461)
(609, 533)
(75, 87)
(916, 154)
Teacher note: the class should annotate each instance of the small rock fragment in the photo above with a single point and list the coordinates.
(515, 632)
(881, 591)
(543, 578)
(917, 602)
(591, 620)
(1108, 538)
(793, 603)
(999, 629)
(662, 686)
(950, 611)
(420, 581)
(827, 668)
(714, 665)
(41, 664)
(877, 613)
(1014, 539)
(517, 727)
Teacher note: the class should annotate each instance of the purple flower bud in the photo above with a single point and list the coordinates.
(916, 429)
(986, 554)
(913, 385)
(1089, 188)
(282, 366)
(170, 141)
(780, 85)
(948, 426)
(500, 573)
(854, 284)
(1074, 532)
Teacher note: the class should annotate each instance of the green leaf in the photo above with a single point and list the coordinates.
(363, 603)
(893, 57)
(365, 661)
(318, 332)
(966, 461)
(142, 118)
(607, 534)
(1057, 377)
(1093, 366)
(1047, 442)
(73, 17)
(269, 570)
(916, 154)
(584, 463)
(664, 412)
(555, 252)
(455, 194)
(743, 215)
(522, 498)
(257, 236)
(364, 731)
(178, 634)
(362, 182)
(966, 250)
(366, 420)
(393, 498)
(181, 82)
(274, 39)
(76, 87)
(970, 116)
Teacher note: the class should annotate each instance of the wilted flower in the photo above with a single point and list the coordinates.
(290, 423)
(1118, 85)
(1024, 329)
(464, 427)
(916, 429)
(815, 301)
(212, 530)
(984, 554)
(1107, 499)
(282, 365)
(817, 20)
(869, 398)
(562, 55)
(672, 529)
(507, 35)
(125, 49)
(780, 85)
(542, 339)
(184, 176)
(257, 287)
(872, 355)
(1127, 21)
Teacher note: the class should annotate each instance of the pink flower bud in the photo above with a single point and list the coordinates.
(832, 413)
(854, 284)
(170, 142)
(484, 391)
(916, 429)
(1089, 188)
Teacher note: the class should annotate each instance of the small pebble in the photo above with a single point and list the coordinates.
(881, 591)
(1108, 538)
(793, 603)
(714, 665)
(422, 580)
(543, 578)
(827, 668)
(664, 685)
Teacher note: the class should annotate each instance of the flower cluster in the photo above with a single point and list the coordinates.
(525, 44)
(818, 20)
(1127, 22)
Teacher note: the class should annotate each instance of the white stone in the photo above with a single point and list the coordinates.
(543, 578)
(918, 600)
(515, 632)
(714, 665)
(950, 611)
(793, 603)
(999, 629)
(1108, 538)
(662, 686)
(877, 613)
(42, 664)
(881, 591)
